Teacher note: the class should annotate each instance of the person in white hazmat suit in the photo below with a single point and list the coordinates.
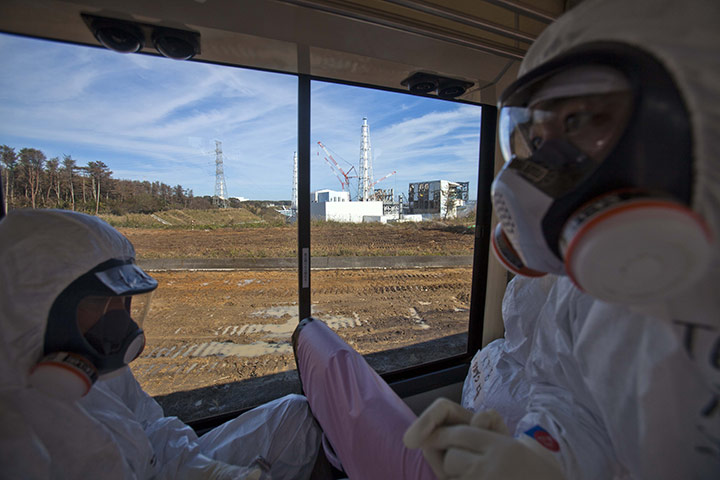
(611, 189)
(71, 306)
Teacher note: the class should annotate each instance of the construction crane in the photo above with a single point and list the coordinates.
(336, 165)
(383, 178)
(342, 184)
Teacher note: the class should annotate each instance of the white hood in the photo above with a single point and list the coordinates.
(116, 431)
(41, 253)
(633, 389)
(685, 37)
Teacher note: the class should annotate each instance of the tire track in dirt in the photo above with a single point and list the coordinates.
(208, 328)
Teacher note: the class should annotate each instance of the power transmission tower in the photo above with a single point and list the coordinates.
(220, 198)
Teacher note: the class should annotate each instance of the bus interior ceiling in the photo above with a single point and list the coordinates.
(378, 43)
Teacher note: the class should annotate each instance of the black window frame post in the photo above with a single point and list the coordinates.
(303, 207)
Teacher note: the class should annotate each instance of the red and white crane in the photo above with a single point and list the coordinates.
(383, 178)
(335, 166)
(342, 184)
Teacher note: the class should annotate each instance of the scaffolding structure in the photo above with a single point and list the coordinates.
(438, 197)
(391, 207)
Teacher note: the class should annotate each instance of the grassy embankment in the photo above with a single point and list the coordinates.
(192, 219)
(238, 233)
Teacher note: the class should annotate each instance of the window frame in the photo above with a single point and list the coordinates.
(428, 376)
(414, 379)
(483, 219)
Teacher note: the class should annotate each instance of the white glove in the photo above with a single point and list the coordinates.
(461, 446)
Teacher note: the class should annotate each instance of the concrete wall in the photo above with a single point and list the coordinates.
(345, 211)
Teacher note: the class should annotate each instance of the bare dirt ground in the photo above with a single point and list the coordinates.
(208, 328)
(326, 240)
(216, 327)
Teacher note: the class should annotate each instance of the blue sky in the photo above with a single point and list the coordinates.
(151, 118)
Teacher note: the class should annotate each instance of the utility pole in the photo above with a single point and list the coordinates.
(220, 198)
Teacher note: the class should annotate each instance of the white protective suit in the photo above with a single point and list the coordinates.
(627, 392)
(116, 431)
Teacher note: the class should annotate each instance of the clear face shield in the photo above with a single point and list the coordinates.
(597, 178)
(92, 308)
(555, 132)
(108, 306)
(94, 328)
(558, 130)
(112, 325)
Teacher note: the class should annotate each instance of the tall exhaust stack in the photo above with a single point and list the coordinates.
(365, 163)
(293, 205)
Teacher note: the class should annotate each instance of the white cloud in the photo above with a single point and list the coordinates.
(150, 118)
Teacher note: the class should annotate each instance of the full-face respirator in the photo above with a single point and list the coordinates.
(598, 175)
(94, 328)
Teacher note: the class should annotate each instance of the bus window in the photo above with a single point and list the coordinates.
(394, 188)
(193, 162)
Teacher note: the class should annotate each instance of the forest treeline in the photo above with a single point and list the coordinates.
(30, 179)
